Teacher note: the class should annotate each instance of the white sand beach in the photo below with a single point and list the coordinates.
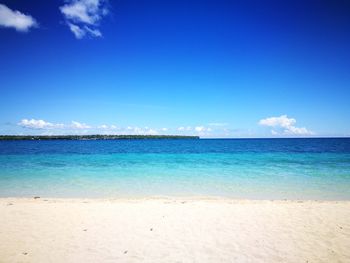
(173, 230)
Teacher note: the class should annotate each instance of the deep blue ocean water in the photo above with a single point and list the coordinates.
(236, 168)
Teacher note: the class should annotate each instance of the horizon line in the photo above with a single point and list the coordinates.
(168, 135)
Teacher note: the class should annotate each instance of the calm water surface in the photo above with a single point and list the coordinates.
(238, 168)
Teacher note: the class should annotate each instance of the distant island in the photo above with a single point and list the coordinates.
(92, 137)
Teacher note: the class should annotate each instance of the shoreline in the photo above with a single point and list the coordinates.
(169, 198)
(175, 229)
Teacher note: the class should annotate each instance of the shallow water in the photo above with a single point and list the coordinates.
(237, 168)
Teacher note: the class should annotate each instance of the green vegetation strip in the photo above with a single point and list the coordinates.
(92, 137)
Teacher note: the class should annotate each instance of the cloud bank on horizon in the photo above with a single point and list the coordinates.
(44, 125)
(282, 126)
(76, 127)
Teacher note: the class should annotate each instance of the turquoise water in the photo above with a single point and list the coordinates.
(251, 168)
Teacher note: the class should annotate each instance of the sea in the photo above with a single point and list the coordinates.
(295, 168)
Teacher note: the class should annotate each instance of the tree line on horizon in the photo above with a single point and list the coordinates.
(93, 137)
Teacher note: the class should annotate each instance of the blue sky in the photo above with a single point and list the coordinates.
(212, 68)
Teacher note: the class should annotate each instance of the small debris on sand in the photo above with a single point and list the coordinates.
(25, 253)
(36, 197)
(151, 229)
(125, 252)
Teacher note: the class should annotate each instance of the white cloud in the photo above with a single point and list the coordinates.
(75, 127)
(83, 16)
(83, 11)
(78, 125)
(39, 124)
(298, 131)
(199, 128)
(93, 32)
(282, 121)
(138, 131)
(285, 124)
(77, 31)
(16, 19)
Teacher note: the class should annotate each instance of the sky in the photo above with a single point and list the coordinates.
(207, 68)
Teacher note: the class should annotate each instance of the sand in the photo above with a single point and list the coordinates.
(173, 230)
